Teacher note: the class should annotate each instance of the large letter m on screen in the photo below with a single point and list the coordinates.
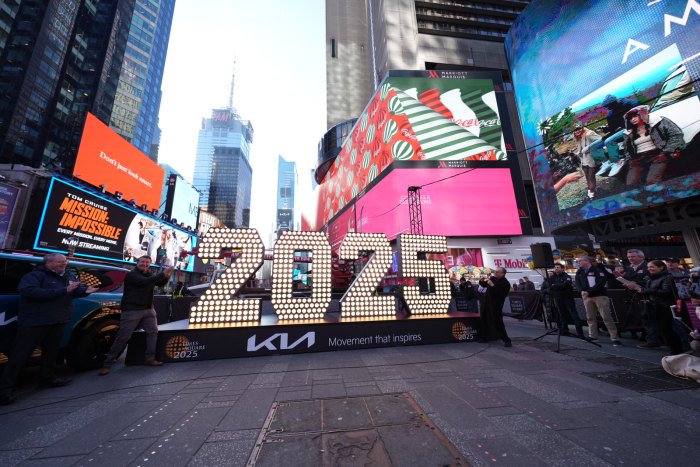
(668, 19)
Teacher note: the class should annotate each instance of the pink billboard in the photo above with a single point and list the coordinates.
(454, 202)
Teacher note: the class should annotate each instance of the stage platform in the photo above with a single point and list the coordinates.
(180, 341)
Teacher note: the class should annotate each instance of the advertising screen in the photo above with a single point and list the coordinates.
(285, 219)
(607, 93)
(454, 202)
(416, 118)
(183, 201)
(8, 198)
(105, 158)
(99, 228)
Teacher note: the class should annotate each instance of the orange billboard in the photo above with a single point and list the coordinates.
(105, 158)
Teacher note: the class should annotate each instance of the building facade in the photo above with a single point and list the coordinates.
(137, 102)
(286, 187)
(441, 35)
(230, 187)
(59, 59)
(222, 171)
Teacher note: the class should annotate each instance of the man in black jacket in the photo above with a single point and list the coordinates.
(45, 306)
(497, 289)
(591, 281)
(138, 312)
(562, 289)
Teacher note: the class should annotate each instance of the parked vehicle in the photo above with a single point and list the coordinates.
(95, 319)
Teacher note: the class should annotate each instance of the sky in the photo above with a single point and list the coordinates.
(279, 51)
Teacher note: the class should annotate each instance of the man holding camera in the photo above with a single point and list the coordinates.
(497, 289)
(45, 306)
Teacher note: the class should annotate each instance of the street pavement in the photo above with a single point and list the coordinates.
(481, 404)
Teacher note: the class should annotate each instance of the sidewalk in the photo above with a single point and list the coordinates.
(481, 404)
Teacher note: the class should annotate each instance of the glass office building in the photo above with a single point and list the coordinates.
(137, 103)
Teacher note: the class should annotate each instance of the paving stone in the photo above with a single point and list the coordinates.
(115, 453)
(161, 418)
(291, 451)
(414, 445)
(184, 439)
(233, 435)
(82, 441)
(543, 412)
(294, 395)
(322, 391)
(249, 411)
(502, 451)
(46, 435)
(14, 457)
(232, 453)
(345, 414)
(51, 461)
(296, 417)
(362, 390)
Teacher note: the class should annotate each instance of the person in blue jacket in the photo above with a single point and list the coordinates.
(45, 306)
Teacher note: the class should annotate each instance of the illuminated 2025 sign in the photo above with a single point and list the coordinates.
(219, 305)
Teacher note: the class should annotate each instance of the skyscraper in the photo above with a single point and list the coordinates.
(136, 105)
(59, 59)
(230, 186)
(222, 170)
(286, 186)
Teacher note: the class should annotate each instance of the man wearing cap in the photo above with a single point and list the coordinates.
(591, 281)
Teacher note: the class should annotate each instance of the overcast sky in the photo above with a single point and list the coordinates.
(279, 50)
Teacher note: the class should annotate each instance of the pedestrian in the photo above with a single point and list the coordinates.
(562, 289)
(497, 288)
(138, 312)
(591, 280)
(528, 284)
(45, 306)
(659, 294)
(637, 272)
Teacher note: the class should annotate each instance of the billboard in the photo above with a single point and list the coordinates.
(182, 203)
(105, 158)
(626, 75)
(454, 202)
(8, 199)
(285, 219)
(99, 228)
(417, 116)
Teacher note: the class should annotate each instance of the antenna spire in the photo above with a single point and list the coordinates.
(233, 81)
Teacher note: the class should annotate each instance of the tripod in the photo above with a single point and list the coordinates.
(562, 321)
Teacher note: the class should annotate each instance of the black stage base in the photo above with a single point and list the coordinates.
(180, 341)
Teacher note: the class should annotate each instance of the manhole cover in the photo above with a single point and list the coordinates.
(382, 430)
(644, 381)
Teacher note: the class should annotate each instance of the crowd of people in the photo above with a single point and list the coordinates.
(658, 299)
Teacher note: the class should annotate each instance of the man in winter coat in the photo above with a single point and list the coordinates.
(497, 289)
(45, 306)
(591, 282)
(138, 312)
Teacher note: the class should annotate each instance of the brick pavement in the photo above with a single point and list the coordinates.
(527, 405)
